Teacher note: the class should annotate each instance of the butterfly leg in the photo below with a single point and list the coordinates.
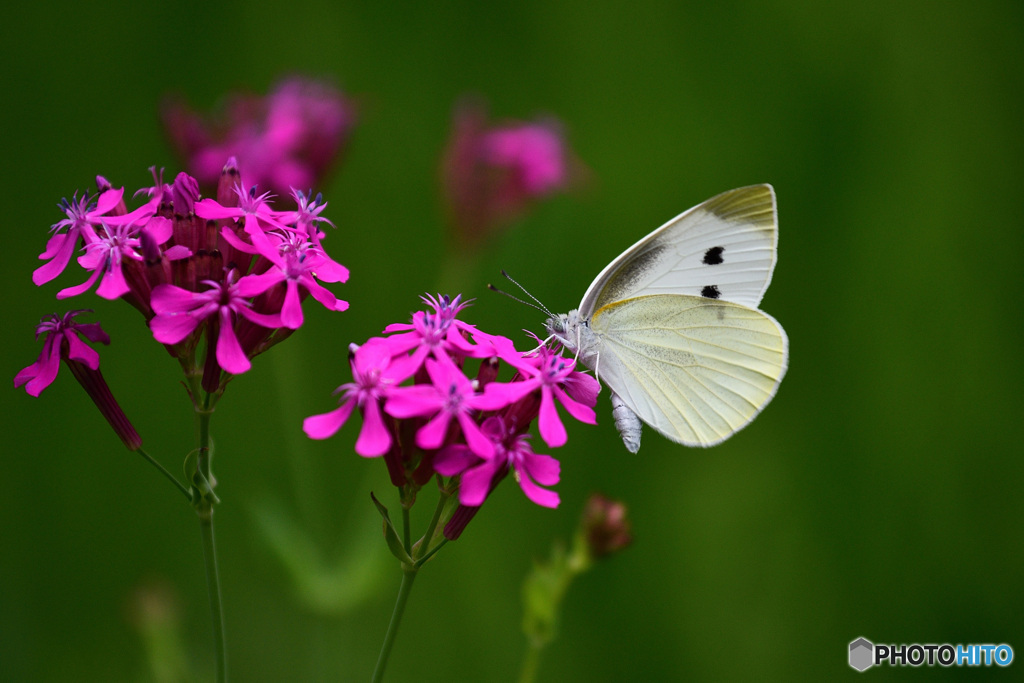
(628, 423)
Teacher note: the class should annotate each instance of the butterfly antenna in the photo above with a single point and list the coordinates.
(515, 298)
(539, 306)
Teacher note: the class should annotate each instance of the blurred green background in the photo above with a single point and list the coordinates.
(879, 495)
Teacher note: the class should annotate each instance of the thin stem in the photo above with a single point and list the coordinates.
(204, 508)
(408, 575)
(425, 550)
(213, 587)
(163, 470)
(530, 662)
(406, 533)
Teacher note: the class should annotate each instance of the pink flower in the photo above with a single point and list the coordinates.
(471, 431)
(376, 374)
(533, 153)
(438, 333)
(253, 210)
(449, 396)
(169, 258)
(104, 257)
(179, 312)
(287, 139)
(511, 452)
(83, 218)
(297, 265)
(550, 372)
(63, 341)
(494, 173)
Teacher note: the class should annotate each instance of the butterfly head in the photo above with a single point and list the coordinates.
(565, 327)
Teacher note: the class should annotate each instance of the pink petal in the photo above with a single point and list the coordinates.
(41, 374)
(538, 495)
(160, 229)
(412, 401)
(497, 395)
(271, 321)
(454, 460)
(431, 435)
(177, 252)
(374, 438)
(229, 352)
(108, 201)
(291, 309)
(61, 257)
(476, 439)
(254, 285)
(544, 469)
(171, 299)
(113, 285)
(82, 352)
(551, 428)
(75, 291)
(476, 483)
(211, 210)
(327, 424)
(579, 411)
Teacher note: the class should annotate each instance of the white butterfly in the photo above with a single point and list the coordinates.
(672, 325)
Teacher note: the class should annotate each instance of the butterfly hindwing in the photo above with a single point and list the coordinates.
(722, 249)
(695, 369)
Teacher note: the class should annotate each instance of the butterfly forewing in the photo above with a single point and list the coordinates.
(695, 369)
(722, 249)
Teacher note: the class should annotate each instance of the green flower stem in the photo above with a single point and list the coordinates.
(163, 471)
(530, 662)
(204, 508)
(406, 533)
(425, 551)
(205, 512)
(408, 575)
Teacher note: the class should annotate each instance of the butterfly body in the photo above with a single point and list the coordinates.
(672, 327)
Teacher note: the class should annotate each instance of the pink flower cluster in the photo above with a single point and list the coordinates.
(232, 267)
(492, 173)
(287, 139)
(448, 423)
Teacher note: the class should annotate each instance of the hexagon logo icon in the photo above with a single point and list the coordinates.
(862, 654)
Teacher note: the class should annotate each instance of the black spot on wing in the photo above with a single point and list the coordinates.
(710, 292)
(713, 256)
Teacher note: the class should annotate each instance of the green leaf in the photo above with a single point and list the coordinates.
(391, 534)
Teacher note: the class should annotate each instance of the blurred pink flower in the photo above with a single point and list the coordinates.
(493, 173)
(288, 139)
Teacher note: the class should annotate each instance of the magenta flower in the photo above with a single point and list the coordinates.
(289, 138)
(449, 396)
(552, 374)
(253, 210)
(105, 257)
(439, 333)
(511, 452)
(64, 342)
(298, 265)
(170, 258)
(83, 219)
(464, 425)
(376, 373)
(494, 173)
(179, 312)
